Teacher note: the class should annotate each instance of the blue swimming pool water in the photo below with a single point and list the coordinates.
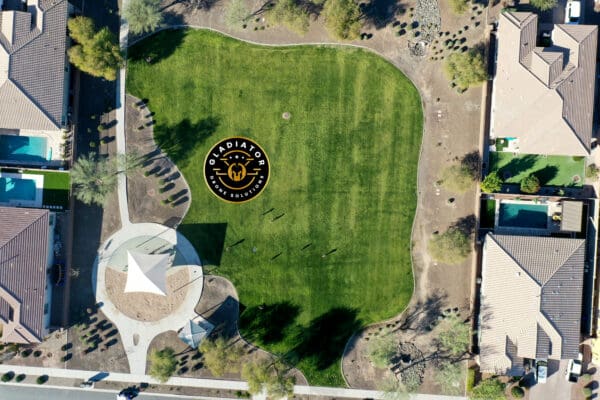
(23, 148)
(523, 215)
(16, 189)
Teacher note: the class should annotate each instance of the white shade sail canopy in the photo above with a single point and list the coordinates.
(195, 331)
(147, 273)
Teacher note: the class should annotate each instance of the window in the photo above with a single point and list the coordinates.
(46, 309)
(11, 314)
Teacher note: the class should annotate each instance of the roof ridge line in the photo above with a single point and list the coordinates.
(33, 102)
(569, 256)
(514, 259)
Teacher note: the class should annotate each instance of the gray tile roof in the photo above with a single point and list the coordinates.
(572, 212)
(23, 259)
(544, 95)
(531, 299)
(32, 66)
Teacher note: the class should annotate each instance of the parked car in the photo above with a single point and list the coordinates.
(127, 394)
(573, 12)
(542, 371)
(574, 369)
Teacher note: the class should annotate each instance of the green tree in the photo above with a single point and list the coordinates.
(492, 183)
(290, 14)
(143, 15)
(382, 348)
(96, 53)
(449, 376)
(221, 356)
(342, 18)
(236, 14)
(459, 6)
(95, 178)
(454, 337)
(162, 364)
(544, 5)
(530, 184)
(450, 247)
(457, 178)
(466, 69)
(270, 375)
(489, 389)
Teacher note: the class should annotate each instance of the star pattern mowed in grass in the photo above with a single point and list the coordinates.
(325, 249)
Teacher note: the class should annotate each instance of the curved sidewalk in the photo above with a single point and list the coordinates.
(137, 335)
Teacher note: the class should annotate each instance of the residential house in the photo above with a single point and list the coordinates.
(531, 298)
(543, 97)
(34, 75)
(26, 257)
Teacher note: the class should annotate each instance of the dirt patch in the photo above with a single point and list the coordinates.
(147, 306)
(158, 192)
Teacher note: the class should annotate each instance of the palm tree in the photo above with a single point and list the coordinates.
(95, 178)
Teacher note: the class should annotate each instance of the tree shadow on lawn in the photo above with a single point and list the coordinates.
(181, 140)
(517, 165)
(266, 323)
(546, 174)
(323, 341)
(157, 47)
(208, 240)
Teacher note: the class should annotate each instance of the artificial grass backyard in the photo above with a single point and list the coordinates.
(550, 170)
(325, 249)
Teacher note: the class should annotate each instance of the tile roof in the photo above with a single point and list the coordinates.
(23, 259)
(544, 95)
(32, 65)
(530, 300)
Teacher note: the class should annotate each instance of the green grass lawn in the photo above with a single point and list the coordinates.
(57, 185)
(343, 182)
(550, 170)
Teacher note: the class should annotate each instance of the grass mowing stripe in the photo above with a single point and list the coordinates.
(343, 180)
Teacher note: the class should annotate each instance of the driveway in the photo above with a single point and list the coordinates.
(556, 387)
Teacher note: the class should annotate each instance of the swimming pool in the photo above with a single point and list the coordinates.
(17, 189)
(24, 148)
(523, 215)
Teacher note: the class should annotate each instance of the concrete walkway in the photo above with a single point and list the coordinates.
(137, 335)
(120, 127)
(210, 383)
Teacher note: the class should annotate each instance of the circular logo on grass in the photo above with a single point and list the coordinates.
(236, 169)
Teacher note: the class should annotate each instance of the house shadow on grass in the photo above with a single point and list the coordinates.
(324, 339)
(181, 140)
(266, 323)
(208, 239)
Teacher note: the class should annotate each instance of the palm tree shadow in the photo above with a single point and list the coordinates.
(181, 140)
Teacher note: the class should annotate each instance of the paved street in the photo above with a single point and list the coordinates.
(21, 392)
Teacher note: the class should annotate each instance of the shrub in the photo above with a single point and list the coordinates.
(586, 378)
(162, 181)
(450, 247)
(290, 14)
(530, 184)
(92, 144)
(466, 69)
(163, 364)
(459, 6)
(587, 392)
(517, 392)
(41, 379)
(470, 380)
(381, 349)
(7, 376)
(492, 183)
(20, 377)
(457, 178)
(592, 171)
(37, 353)
(489, 389)
(342, 18)
(543, 5)
(146, 173)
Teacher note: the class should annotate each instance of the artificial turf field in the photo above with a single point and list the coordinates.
(325, 249)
